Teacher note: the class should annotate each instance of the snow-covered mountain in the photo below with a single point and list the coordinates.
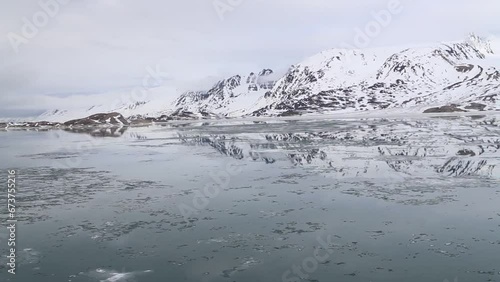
(229, 97)
(141, 102)
(457, 76)
(413, 79)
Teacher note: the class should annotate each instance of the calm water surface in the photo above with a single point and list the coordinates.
(332, 200)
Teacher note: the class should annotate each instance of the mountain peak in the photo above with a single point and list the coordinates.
(480, 43)
(266, 72)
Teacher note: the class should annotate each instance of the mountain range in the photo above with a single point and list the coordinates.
(445, 77)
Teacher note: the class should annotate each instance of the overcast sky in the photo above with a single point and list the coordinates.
(100, 46)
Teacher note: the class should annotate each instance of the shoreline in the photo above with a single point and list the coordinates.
(6, 126)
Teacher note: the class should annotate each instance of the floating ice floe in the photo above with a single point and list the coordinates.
(107, 275)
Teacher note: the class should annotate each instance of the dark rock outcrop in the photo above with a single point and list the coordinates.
(99, 119)
(444, 109)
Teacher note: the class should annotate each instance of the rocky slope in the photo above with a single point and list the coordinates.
(228, 97)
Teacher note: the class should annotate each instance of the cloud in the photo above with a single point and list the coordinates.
(92, 47)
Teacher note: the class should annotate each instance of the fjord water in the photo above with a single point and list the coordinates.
(376, 199)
